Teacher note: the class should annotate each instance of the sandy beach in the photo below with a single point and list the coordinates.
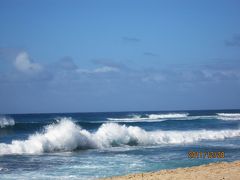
(213, 171)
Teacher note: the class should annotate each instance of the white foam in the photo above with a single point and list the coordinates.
(228, 116)
(63, 136)
(6, 121)
(168, 116)
(203, 117)
(3, 169)
(150, 117)
(67, 136)
(133, 117)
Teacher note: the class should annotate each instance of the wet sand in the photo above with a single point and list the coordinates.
(213, 171)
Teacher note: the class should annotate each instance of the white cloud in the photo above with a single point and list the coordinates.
(24, 64)
(104, 69)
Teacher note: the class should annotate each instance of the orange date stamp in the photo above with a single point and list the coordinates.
(206, 154)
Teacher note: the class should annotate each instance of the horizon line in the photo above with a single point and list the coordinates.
(85, 112)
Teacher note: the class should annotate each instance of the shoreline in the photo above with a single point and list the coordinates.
(212, 171)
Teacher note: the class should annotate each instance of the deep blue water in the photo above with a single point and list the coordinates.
(92, 145)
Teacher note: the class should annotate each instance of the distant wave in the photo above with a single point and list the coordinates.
(168, 116)
(6, 121)
(65, 135)
(3, 169)
(175, 116)
(228, 116)
(150, 117)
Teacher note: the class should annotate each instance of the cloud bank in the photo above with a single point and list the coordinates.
(66, 69)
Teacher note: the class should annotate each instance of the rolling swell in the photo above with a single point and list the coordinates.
(164, 121)
(36, 126)
(150, 117)
(65, 135)
(176, 116)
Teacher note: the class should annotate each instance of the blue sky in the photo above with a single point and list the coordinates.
(81, 56)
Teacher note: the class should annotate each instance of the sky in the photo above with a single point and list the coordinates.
(138, 55)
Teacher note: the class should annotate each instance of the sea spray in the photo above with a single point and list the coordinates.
(6, 121)
(65, 135)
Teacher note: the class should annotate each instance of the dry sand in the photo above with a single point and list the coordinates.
(213, 171)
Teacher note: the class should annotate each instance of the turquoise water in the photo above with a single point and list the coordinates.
(93, 145)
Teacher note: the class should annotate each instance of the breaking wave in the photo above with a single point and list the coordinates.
(150, 117)
(228, 116)
(6, 121)
(175, 116)
(65, 135)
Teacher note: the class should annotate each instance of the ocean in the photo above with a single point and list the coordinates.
(95, 145)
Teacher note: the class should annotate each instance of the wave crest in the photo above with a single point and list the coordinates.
(228, 116)
(150, 117)
(6, 121)
(65, 135)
